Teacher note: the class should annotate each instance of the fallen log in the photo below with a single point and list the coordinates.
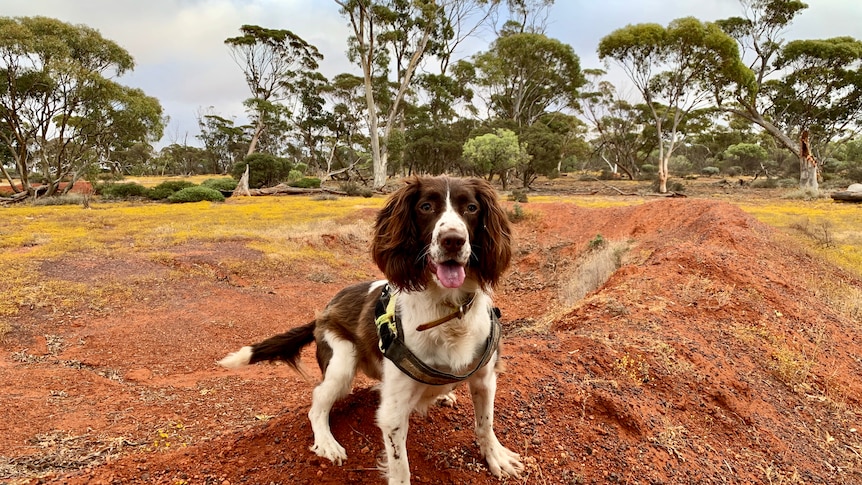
(847, 196)
(283, 189)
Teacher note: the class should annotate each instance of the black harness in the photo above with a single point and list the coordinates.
(391, 341)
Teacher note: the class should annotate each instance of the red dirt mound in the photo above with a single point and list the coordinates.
(709, 356)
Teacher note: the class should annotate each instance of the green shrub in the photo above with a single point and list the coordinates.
(196, 194)
(168, 188)
(65, 199)
(671, 185)
(306, 183)
(264, 170)
(734, 171)
(516, 214)
(788, 183)
(518, 195)
(293, 176)
(597, 242)
(649, 168)
(710, 171)
(225, 183)
(350, 188)
(121, 191)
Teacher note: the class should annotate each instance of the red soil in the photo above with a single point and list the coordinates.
(706, 358)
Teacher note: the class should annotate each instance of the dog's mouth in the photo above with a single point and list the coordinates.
(451, 274)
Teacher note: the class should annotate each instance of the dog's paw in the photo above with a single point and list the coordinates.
(504, 462)
(447, 400)
(331, 450)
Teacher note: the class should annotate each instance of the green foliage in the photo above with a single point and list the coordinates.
(528, 73)
(518, 195)
(672, 186)
(710, 171)
(494, 152)
(680, 165)
(294, 175)
(516, 214)
(306, 183)
(649, 168)
(122, 191)
(353, 189)
(749, 156)
(264, 170)
(58, 78)
(168, 188)
(222, 184)
(734, 171)
(66, 199)
(196, 194)
(597, 242)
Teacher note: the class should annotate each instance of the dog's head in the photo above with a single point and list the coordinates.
(442, 230)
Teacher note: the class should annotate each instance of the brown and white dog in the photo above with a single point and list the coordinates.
(440, 242)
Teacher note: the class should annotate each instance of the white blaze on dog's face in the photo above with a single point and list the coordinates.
(454, 219)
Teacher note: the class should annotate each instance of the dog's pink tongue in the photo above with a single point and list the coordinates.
(450, 275)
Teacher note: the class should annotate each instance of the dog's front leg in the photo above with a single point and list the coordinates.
(501, 460)
(398, 397)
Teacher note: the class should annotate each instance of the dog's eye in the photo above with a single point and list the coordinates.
(471, 209)
(426, 207)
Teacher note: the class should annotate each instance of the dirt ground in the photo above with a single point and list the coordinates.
(710, 356)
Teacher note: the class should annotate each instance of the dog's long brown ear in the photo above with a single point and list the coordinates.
(493, 246)
(397, 246)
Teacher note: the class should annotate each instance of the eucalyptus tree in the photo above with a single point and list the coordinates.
(380, 26)
(523, 75)
(795, 86)
(225, 142)
(275, 62)
(617, 125)
(676, 69)
(61, 111)
(495, 153)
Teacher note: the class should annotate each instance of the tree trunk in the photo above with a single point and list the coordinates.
(807, 166)
(663, 174)
(242, 186)
(258, 130)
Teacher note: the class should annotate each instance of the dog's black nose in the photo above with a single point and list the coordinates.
(453, 242)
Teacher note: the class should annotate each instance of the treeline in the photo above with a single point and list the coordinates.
(707, 103)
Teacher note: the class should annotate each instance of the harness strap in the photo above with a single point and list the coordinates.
(458, 313)
(391, 342)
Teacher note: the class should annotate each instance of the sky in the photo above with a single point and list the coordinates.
(181, 59)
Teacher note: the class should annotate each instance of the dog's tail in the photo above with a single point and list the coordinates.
(285, 347)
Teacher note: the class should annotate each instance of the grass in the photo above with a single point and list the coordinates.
(829, 229)
(30, 236)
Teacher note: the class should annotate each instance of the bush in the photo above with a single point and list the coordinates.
(121, 191)
(519, 195)
(734, 171)
(516, 214)
(264, 170)
(306, 183)
(788, 183)
(226, 184)
(855, 173)
(671, 185)
(65, 199)
(649, 168)
(168, 188)
(710, 171)
(196, 194)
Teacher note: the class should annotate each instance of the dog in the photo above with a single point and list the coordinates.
(443, 244)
